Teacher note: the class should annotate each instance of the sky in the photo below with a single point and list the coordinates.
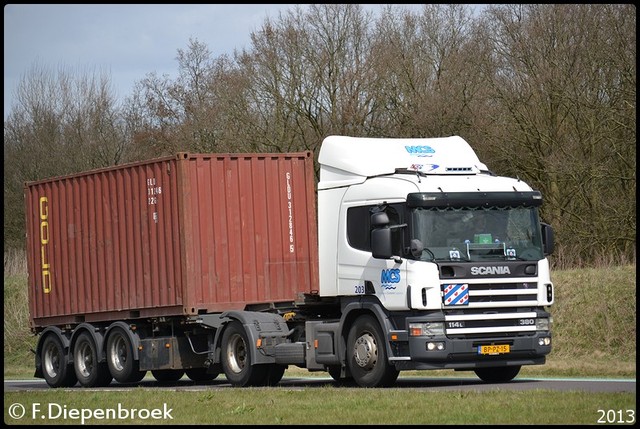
(127, 41)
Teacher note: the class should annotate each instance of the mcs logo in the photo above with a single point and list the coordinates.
(390, 276)
(420, 150)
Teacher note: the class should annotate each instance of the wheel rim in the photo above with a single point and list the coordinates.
(84, 357)
(52, 361)
(237, 354)
(118, 354)
(365, 351)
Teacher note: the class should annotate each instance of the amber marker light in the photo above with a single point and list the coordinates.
(416, 332)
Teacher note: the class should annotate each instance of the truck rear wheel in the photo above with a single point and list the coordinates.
(135, 377)
(167, 375)
(89, 371)
(236, 358)
(122, 366)
(335, 372)
(275, 372)
(200, 374)
(55, 367)
(367, 356)
(500, 374)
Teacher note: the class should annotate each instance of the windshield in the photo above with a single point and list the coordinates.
(477, 234)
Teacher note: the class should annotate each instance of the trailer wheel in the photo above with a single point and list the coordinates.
(200, 374)
(89, 371)
(367, 356)
(167, 375)
(236, 358)
(122, 366)
(501, 374)
(55, 366)
(137, 376)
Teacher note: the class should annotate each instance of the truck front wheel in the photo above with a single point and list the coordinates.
(55, 366)
(236, 358)
(500, 374)
(367, 356)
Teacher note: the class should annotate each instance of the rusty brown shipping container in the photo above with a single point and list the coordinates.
(181, 235)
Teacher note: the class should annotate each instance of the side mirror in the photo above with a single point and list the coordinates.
(416, 248)
(381, 243)
(379, 219)
(547, 239)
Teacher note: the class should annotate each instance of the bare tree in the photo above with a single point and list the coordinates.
(308, 76)
(564, 86)
(425, 67)
(542, 92)
(194, 112)
(62, 122)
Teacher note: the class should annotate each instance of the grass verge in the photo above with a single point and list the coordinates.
(316, 406)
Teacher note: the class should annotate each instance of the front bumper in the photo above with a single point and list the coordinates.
(463, 353)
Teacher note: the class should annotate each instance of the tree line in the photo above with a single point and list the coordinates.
(546, 93)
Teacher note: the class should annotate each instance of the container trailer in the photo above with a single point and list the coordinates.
(408, 254)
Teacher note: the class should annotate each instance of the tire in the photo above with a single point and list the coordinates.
(502, 374)
(89, 371)
(335, 371)
(367, 355)
(137, 376)
(275, 372)
(200, 374)
(236, 358)
(55, 366)
(167, 375)
(120, 361)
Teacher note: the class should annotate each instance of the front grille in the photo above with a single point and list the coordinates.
(489, 310)
(502, 298)
(505, 286)
(487, 295)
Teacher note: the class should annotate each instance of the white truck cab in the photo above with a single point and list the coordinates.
(457, 253)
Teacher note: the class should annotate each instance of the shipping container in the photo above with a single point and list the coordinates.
(175, 236)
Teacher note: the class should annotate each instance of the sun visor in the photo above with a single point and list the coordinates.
(352, 159)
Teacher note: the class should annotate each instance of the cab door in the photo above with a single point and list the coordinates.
(359, 273)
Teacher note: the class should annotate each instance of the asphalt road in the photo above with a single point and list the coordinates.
(424, 383)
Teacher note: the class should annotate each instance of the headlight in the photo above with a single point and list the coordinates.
(426, 329)
(543, 324)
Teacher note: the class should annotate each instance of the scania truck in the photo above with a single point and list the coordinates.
(417, 257)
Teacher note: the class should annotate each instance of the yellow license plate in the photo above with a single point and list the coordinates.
(493, 349)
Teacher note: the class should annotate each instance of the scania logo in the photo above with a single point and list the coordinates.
(485, 271)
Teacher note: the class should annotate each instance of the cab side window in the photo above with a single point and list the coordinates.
(359, 226)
